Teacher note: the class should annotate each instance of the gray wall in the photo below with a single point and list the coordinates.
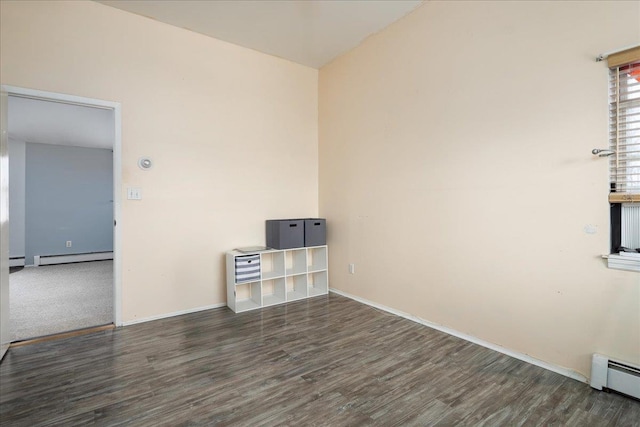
(16, 198)
(69, 196)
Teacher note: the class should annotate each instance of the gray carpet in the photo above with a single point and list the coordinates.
(59, 298)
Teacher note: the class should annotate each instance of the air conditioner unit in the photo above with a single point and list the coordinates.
(614, 375)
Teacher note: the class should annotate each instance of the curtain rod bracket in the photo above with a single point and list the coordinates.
(601, 152)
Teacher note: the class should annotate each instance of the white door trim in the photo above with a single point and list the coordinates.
(5, 333)
(117, 175)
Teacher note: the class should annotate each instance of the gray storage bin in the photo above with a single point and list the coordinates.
(315, 232)
(285, 233)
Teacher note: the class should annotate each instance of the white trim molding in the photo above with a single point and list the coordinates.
(622, 262)
(175, 313)
(515, 354)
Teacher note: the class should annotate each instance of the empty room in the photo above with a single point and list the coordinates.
(475, 166)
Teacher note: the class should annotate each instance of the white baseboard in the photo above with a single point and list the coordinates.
(65, 259)
(175, 313)
(515, 354)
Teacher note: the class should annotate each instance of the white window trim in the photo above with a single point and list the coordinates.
(623, 101)
(622, 262)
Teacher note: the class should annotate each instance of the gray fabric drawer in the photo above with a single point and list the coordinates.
(247, 268)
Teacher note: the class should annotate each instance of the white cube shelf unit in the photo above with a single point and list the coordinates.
(285, 275)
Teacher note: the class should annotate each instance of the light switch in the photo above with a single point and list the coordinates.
(134, 193)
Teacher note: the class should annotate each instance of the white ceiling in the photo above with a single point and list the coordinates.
(48, 122)
(309, 32)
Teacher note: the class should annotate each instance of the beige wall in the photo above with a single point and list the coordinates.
(232, 132)
(456, 173)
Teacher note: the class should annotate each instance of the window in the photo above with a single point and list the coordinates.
(624, 142)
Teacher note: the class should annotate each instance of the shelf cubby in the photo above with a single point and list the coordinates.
(248, 296)
(295, 261)
(296, 287)
(273, 292)
(272, 265)
(318, 283)
(317, 258)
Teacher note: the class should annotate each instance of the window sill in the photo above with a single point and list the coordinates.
(622, 262)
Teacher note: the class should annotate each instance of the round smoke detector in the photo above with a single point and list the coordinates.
(145, 163)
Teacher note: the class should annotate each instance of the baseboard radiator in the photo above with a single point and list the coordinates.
(611, 375)
(65, 259)
(630, 224)
(16, 262)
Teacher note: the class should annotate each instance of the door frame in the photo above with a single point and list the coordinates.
(117, 175)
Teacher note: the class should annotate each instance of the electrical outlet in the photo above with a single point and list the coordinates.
(68, 243)
(352, 269)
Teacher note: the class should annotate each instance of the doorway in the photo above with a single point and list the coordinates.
(66, 192)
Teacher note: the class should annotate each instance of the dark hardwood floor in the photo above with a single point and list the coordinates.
(325, 361)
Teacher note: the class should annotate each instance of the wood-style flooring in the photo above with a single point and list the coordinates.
(327, 361)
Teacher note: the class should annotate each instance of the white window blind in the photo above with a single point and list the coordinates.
(624, 141)
(624, 131)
